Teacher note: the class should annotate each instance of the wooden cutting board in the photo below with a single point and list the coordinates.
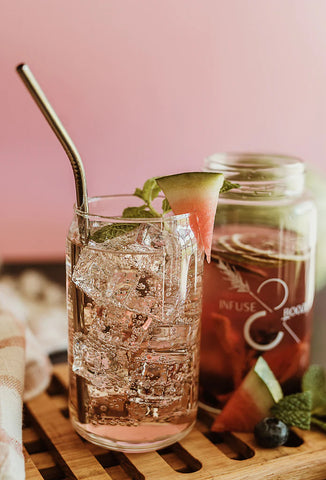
(53, 451)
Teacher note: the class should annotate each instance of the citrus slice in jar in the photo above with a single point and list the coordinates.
(262, 244)
(226, 250)
(274, 246)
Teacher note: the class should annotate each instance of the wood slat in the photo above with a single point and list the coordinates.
(43, 460)
(60, 402)
(29, 435)
(151, 465)
(61, 372)
(32, 472)
(309, 466)
(118, 473)
(71, 452)
(207, 453)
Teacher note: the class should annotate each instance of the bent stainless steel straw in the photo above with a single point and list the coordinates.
(76, 162)
(81, 201)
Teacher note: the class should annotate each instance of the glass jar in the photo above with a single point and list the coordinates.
(258, 290)
(134, 305)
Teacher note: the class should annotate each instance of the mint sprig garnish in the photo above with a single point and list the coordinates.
(294, 410)
(148, 193)
(308, 407)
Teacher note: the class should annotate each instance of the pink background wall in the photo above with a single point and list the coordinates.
(149, 87)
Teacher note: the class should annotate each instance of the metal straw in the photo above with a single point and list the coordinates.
(78, 297)
(76, 162)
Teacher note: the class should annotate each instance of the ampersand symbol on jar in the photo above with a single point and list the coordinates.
(262, 313)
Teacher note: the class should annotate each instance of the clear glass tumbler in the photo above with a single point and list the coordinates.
(134, 306)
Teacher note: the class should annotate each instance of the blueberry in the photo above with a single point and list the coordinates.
(271, 432)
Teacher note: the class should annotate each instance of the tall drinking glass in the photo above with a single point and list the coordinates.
(134, 305)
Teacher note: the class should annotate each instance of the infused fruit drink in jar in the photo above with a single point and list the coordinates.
(134, 306)
(258, 290)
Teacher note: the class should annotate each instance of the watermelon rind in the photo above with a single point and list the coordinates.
(196, 180)
(251, 401)
(264, 372)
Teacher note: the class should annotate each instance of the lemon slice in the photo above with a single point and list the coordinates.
(233, 250)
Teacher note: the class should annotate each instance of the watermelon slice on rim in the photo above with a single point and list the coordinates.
(195, 193)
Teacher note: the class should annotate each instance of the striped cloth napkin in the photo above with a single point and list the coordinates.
(33, 324)
(25, 371)
(12, 368)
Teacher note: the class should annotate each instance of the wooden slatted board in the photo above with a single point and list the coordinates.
(53, 451)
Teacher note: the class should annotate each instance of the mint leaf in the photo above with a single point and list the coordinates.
(314, 380)
(149, 191)
(228, 186)
(138, 193)
(166, 206)
(295, 410)
(111, 231)
(137, 212)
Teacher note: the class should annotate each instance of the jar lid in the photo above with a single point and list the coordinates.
(259, 174)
